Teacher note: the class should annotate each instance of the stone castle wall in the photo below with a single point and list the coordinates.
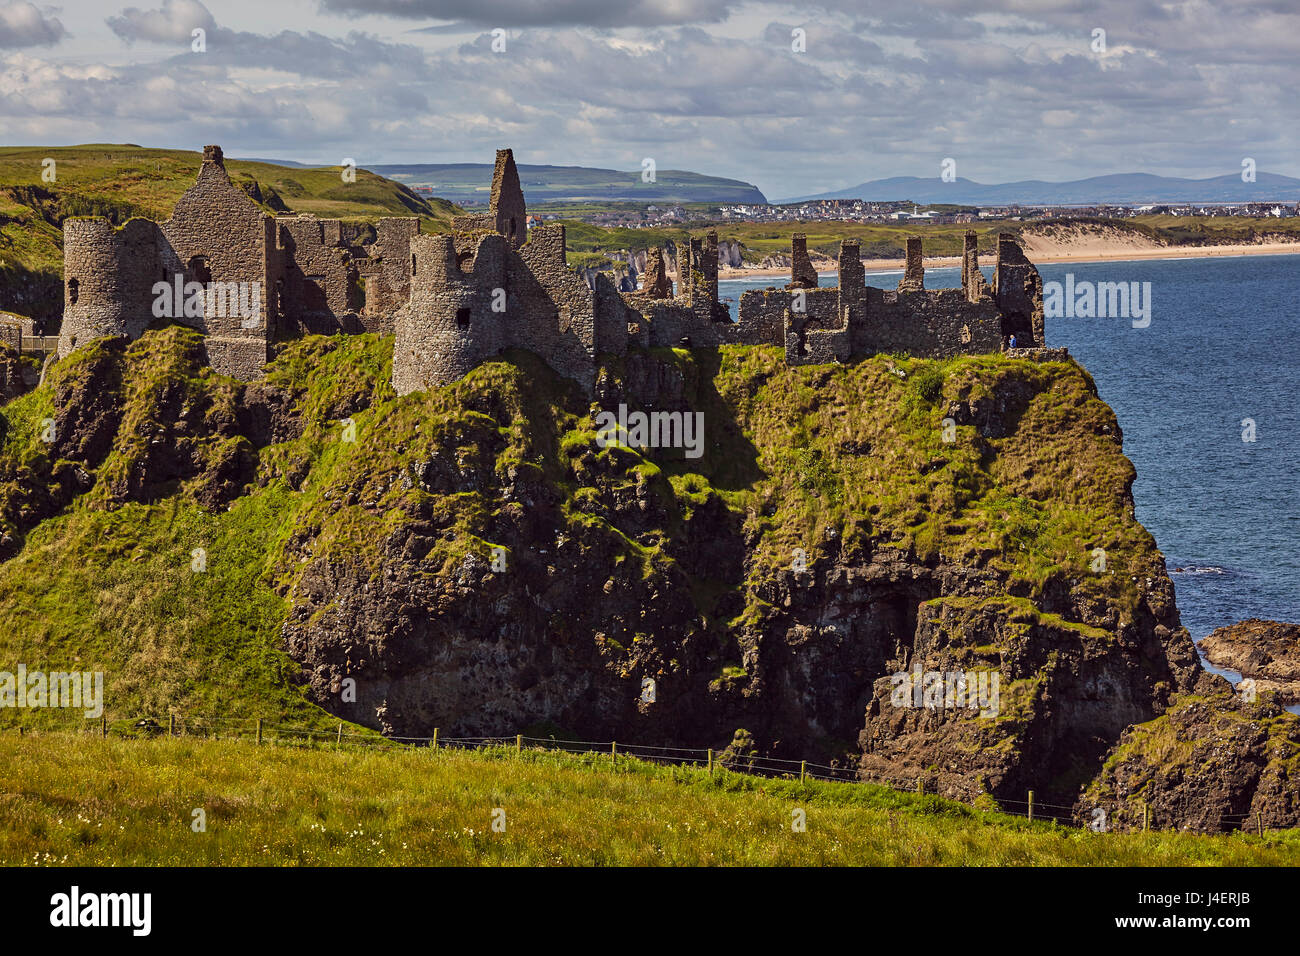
(315, 286)
(15, 328)
(454, 301)
(854, 319)
(298, 273)
(217, 234)
(388, 281)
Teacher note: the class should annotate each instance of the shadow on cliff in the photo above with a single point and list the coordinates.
(730, 460)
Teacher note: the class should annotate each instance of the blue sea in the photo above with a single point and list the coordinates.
(1221, 347)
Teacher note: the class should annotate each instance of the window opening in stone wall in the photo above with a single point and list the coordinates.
(200, 270)
(74, 289)
(356, 291)
(462, 318)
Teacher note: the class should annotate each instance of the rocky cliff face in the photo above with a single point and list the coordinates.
(1267, 653)
(477, 559)
(1212, 762)
(755, 589)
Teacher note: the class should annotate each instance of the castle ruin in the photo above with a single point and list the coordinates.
(454, 300)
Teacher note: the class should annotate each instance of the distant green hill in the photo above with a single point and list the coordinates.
(468, 182)
(122, 181)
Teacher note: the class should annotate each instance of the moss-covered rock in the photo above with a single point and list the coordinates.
(471, 558)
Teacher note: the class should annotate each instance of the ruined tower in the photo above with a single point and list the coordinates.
(802, 273)
(1018, 292)
(914, 268)
(972, 280)
(493, 286)
(656, 283)
(507, 215)
(108, 275)
(449, 326)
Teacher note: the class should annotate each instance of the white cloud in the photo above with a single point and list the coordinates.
(23, 25)
(517, 13)
(1012, 97)
(174, 22)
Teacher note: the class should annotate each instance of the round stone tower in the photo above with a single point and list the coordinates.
(449, 326)
(108, 277)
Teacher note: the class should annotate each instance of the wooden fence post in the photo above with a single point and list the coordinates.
(803, 770)
(613, 752)
(259, 731)
(1259, 822)
(171, 725)
(710, 761)
(920, 785)
(103, 726)
(435, 738)
(1146, 817)
(519, 743)
(1031, 805)
(339, 742)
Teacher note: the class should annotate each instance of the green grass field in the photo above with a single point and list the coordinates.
(80, 800)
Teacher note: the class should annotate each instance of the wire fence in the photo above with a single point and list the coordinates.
(251, 729)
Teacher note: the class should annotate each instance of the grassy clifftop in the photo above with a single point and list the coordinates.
(232, 550)
(154, 456)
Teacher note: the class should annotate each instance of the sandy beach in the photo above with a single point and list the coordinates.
(1043, 251)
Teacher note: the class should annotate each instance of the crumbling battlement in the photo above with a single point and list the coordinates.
(802, 273)
(456, 300)
(835, 324)
(289, 275)
(15, 328)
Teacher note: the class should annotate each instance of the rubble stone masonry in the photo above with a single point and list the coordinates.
(453, 301)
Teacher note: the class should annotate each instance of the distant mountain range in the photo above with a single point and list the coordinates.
(1120, 188)
(468, 182)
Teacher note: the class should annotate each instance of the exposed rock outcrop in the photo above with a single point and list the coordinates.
(1265, 652)
(474, 558)
(1213, 762)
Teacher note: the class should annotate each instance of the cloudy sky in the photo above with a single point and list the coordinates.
(1022, 90)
